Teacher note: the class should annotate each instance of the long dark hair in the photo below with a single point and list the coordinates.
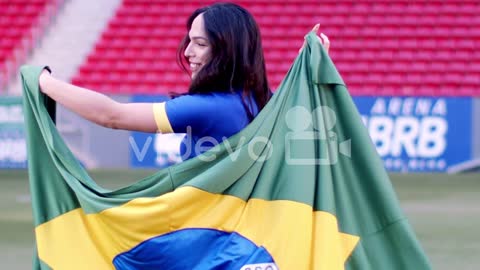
(237, 60)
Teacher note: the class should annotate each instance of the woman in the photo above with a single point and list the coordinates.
(223, 52)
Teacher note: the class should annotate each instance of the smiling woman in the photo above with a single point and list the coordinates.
(198, 51)
(223, 52)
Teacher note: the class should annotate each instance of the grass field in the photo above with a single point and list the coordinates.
(443, 209)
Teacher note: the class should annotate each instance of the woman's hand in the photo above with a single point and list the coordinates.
(44, 76)
(322, 38)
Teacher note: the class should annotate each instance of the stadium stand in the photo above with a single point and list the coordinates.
(399, 47)
(22, 22)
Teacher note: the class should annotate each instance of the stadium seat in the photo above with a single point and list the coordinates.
(18, 20)
(380, 47)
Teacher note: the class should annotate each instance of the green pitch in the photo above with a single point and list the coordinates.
(443, 209)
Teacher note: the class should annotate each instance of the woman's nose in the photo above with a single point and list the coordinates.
(188, 51)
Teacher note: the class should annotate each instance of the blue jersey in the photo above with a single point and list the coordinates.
(207, 119)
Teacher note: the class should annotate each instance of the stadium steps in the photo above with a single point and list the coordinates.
(68, 39)
(22, 23)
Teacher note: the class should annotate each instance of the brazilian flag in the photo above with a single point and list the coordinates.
(301, 187)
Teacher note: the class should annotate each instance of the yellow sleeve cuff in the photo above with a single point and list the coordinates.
(161, 118)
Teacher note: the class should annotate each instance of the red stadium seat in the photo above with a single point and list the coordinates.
(18, 20)
(380, 47)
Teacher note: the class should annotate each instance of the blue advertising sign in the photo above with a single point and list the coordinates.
(419, 134)
(149, 150)
(13, 148)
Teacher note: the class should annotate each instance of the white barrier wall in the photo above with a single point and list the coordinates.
(13, 150)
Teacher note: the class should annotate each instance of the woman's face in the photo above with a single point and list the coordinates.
(198, 51)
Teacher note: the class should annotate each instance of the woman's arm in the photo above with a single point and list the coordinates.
(99, 108)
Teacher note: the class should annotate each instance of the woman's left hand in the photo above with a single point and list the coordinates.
(323, 39)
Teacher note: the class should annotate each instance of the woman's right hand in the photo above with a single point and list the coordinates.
(323, 39)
